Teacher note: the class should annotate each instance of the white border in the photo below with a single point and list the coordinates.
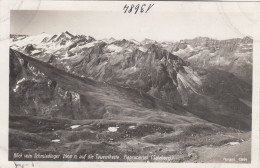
(6, 6)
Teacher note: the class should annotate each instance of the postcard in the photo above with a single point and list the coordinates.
(112, 83)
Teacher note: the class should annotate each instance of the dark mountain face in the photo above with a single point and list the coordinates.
(223, 95)
(32, 93)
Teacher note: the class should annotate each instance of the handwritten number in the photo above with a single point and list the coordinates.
(150, 6)
(135, 8)
(130, 10)
(125, 8)
(142, 8)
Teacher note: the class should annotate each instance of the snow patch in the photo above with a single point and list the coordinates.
(134, 41)
(56, 140)
(114, 48)
(74, 126)
(132, 127)
(17, 84)
(233, 143)
(142, 49)
(112, 129)
(88, 45)
(68, 67)
(111, 40)
(75, 97)
(20, 81)
(35, 52)
(189, 47)
(32, 39)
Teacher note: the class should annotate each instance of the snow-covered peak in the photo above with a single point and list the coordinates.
(110, 40)
(63, 36)
(114, 48)
(68, 34)
(36, 39)
(147, 41)
(134, 41)
(90, 38)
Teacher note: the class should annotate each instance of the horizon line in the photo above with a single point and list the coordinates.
(191, 38)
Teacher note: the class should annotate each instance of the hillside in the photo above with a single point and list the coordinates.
(103, 119)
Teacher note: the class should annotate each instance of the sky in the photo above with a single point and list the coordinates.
(158, 25)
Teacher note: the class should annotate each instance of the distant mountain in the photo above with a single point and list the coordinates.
(233, 55)
(148, 41)
(169, 72)
(14, 37)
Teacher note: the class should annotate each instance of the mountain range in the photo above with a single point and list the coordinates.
(200, 86)
(150, 68)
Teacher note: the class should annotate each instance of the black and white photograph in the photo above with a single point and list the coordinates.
(137, 84)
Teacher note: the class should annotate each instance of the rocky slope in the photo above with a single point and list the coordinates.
(55, 112)
(32, 93)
